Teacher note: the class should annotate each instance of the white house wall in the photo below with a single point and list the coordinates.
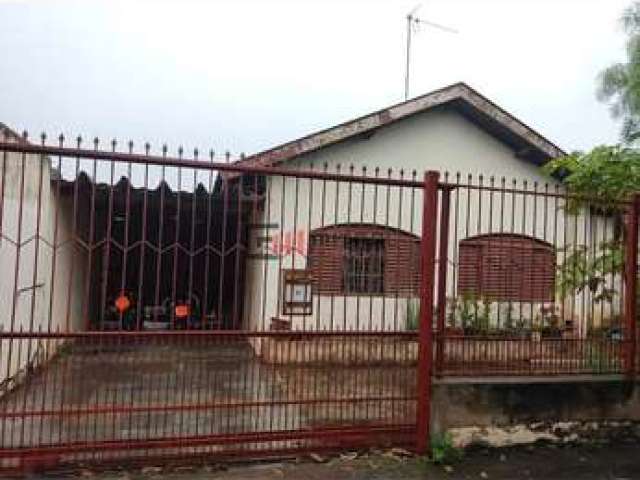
(439, 140)
(44, 300)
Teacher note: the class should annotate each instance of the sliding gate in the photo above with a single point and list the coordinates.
(159, 306)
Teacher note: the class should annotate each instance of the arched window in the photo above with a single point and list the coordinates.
(507, 267)
(363, 259)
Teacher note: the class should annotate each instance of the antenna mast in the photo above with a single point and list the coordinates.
(413, 22)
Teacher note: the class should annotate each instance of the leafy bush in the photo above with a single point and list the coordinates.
(584, 269)
(443, 451)
(470, 312)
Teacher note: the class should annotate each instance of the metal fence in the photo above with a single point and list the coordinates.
(535, 280)
(173, 307)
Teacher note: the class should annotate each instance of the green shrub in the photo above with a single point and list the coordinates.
(443, 451)
(472, 313)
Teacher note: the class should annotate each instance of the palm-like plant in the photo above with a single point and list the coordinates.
(619, 84)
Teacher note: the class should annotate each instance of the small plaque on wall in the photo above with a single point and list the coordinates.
(297, 297)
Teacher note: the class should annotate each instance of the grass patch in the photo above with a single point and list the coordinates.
(443, 451)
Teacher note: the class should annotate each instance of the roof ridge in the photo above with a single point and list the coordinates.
(459, 91)
(9, 132)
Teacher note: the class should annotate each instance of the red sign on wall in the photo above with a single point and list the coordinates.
(289, 243)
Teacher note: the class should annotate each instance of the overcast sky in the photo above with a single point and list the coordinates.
(246, 75)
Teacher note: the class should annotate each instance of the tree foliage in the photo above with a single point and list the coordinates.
(600, 180)
(619, 85)
(590, 268)
(603, 177)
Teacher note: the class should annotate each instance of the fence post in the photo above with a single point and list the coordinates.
(630, 284)
(425, 331)
(443, 263)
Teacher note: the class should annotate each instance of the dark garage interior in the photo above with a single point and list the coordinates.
(160, 258)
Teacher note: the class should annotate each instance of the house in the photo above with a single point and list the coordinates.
(326, 234)
(356, 246)
(274, 249)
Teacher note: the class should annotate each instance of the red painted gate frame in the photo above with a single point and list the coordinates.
(425, 331)
(435, 226)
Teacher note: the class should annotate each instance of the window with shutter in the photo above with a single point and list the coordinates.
(364, 259)
(507, 267)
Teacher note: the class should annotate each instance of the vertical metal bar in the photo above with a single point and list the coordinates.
(16, 276)
(107, 245)
(192, 248)
(586, 294)
(442, 278)
(238, 249)
(143, 244)
(280, 250)
(456, 260)
(125, 245)
(334, 238)
(54, 246)
(425, 333)
(374, 221)
(606, 249)
(592, 241)
(523, 231)
(509, 313)
(3, 183)
(413, 287)
(36, 255)
(34, 280)
(209, 198)
(258, 372)
(534, 234)
(3, 440)
(176, 245)
(292, 236)
(630, 283)
(16, 273)
(160, 243)
(490, 230)
(90, 243)
(348, 238)
(223, 243)
(399, 228)
(394, 380)
(2, 235)
(267, 252)
(307, 239)
(18, 430)
(361, 220)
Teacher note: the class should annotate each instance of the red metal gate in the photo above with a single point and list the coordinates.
(165, 307)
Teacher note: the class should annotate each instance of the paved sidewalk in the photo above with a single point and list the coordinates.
(610, 461)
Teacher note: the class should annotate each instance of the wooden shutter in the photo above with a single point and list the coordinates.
(507, 267)
(326, 251)
(469, 268)
(402, 266)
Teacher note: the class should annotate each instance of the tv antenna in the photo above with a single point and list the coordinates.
(413, 22)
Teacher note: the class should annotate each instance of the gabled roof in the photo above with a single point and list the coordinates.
(526, 142)
(8, 135)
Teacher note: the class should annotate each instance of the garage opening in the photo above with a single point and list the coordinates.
(161, 258)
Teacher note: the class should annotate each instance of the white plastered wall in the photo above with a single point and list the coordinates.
(47, 284)
(440, 140)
